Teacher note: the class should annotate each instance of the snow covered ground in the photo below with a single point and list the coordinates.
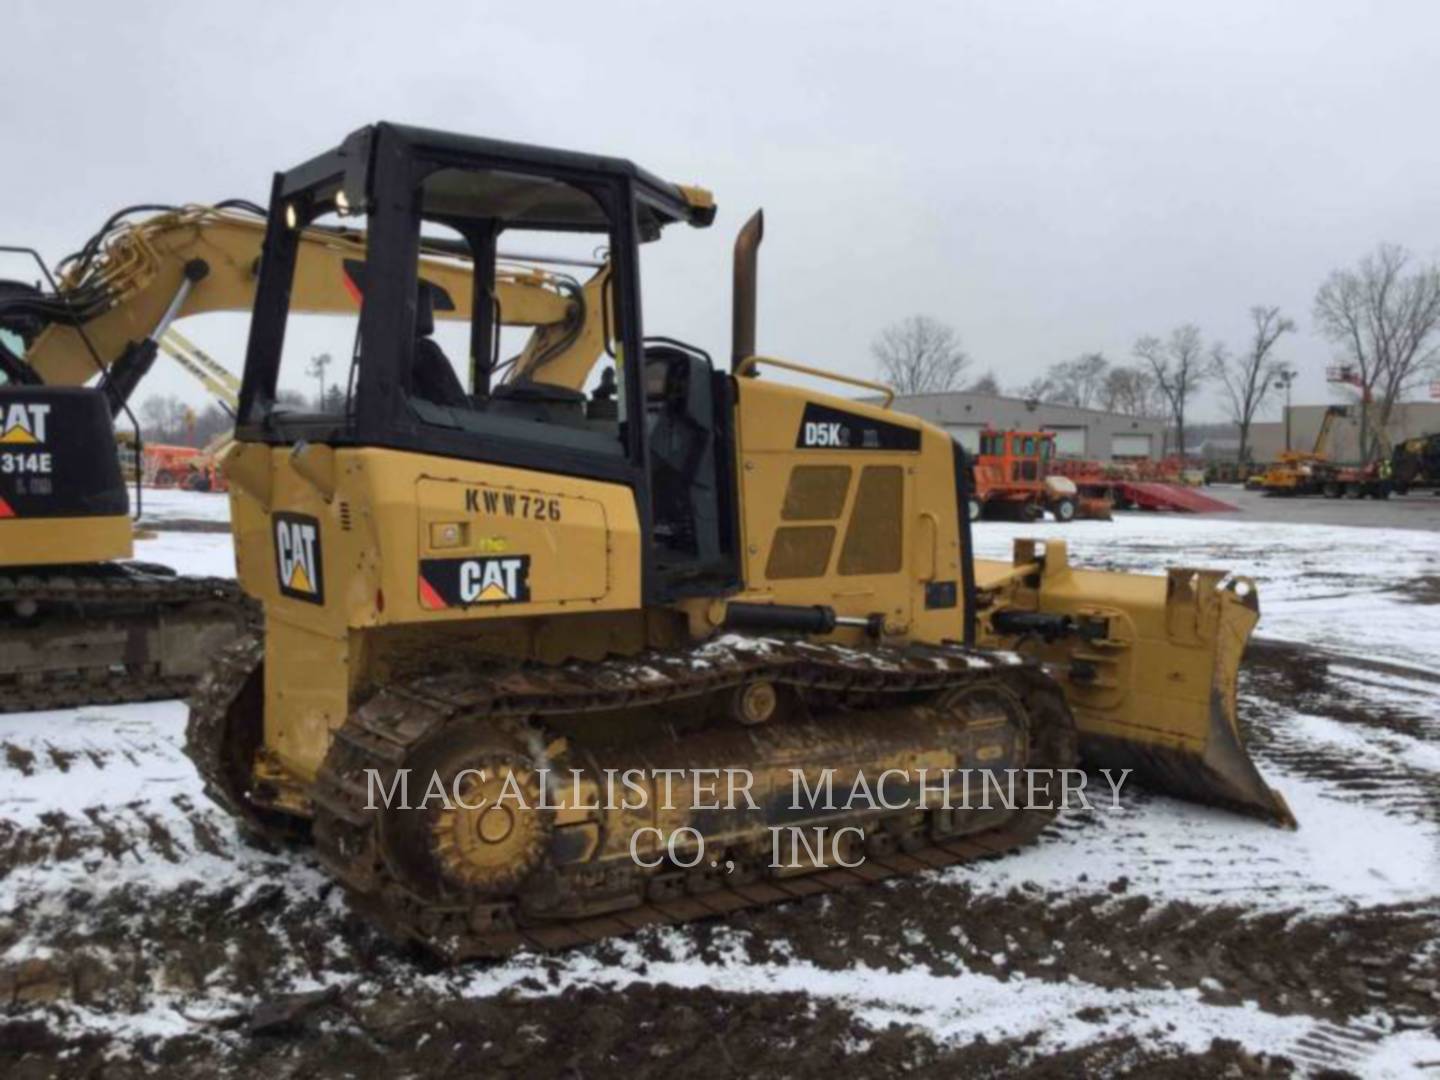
(160, 505)
(1162, 922)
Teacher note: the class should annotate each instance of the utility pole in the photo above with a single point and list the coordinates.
(318, 364)
(1283, 378)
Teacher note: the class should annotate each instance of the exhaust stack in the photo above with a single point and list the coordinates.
(747, 250)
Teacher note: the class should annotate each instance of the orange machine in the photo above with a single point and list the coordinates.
(193, 468)
(168, 466)
(1014, 479)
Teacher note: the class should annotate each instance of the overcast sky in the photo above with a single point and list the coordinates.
(1050, 179)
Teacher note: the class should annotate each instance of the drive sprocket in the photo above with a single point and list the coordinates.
(492, 833)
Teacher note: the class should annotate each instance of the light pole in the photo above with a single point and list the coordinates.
(1283, 378)
(318, 364)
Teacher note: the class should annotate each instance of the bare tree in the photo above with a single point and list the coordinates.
(1069, 382)
(920, 355)
(1131, 391)
(1040, 388)
(1078, 381)
(165, 419)
(1248, 376)
(1151, 397)
(1178, 365)
(1382, 319)
(212, 422)
(155, 415)
(986, 384)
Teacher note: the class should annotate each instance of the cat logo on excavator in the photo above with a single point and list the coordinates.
(297, 558)
(24, 424)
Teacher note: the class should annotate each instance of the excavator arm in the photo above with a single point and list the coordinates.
(121, 296)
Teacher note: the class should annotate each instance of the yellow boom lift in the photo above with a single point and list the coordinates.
(526, 592)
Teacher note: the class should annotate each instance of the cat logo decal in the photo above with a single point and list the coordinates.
(499, 579)
(297, 558)
(23, 425)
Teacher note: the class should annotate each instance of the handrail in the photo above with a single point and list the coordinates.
(748, 364)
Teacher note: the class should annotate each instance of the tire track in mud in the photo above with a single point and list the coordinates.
(136, 833)
(1368, 730)
(642, 1030)
(1334, 967)
(1235, 866)
(1335, 1046)
(1350, 1045)
(94, 790)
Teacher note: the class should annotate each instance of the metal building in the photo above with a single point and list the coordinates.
(1408, 420)
(1087, 433)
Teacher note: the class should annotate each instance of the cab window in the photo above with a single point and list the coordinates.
(535, 339)
(507, 335)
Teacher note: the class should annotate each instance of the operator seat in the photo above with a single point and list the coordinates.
(432, 378)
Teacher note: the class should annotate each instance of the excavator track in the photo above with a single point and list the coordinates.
(111, 632)
(842, 689)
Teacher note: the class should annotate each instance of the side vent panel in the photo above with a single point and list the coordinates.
(875, 540)
(800, 551)
(816, 493)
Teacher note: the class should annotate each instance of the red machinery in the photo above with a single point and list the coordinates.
(189, 467)
(1373, 478)
(168, 466)
(1014, 478)
(1145, 485)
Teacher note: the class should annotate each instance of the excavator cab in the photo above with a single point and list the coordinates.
(77, 623)
(62, 497)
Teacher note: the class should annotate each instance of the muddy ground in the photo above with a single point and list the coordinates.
(271, 974)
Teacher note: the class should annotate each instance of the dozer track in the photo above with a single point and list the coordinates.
(111, 632)
(548, 885)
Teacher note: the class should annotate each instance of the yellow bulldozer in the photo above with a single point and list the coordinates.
(495, 598)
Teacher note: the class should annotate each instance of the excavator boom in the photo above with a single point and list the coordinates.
(208, 260)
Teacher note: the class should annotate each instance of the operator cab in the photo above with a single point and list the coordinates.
(1022, 456)
(428, 370)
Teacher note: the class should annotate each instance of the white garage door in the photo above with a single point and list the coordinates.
(1069, 441)
(1130, 445)
(967, 435)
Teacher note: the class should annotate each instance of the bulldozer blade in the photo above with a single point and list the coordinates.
(1222, 775)
(1149, 668)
